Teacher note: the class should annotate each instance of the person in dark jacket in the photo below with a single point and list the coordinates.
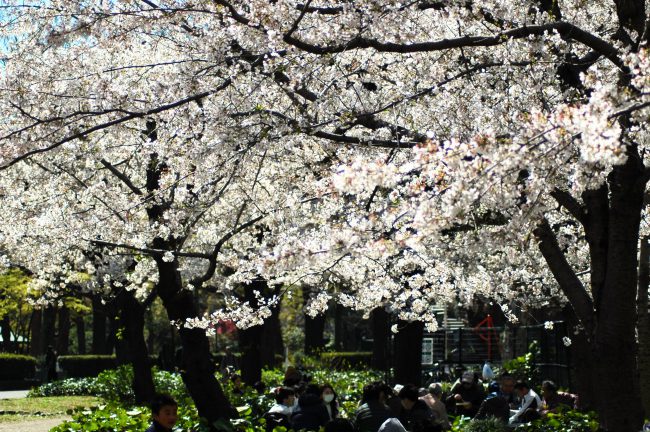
(413, 409)
(466, 395)
(373, 412)
(164, 411)
(553, 400)
(311, 413)
(329, 397)
(494, 405)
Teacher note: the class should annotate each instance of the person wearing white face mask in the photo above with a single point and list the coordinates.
(328, 395)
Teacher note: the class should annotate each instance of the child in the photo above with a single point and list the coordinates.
(164, 412)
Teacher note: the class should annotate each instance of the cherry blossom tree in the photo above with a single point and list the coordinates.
(171, 128)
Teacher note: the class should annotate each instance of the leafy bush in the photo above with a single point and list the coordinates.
(487, 425)
(66, 387)
(81, 366)
(346, 360)
(524, 367)
(567, 421)
(16, 366)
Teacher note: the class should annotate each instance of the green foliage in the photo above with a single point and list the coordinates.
(16, 366)
(487, 425)
(567, 421)
(524, 367)
(80, 366)
(346, 360)
(13, 300)
(66, 387)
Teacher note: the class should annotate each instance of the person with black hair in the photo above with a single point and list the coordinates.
(467, 394)
(339, 425)
(328, 395)
(413, 409)
(373, 411)
(310, 413)
(164, 411)
(530, 404)
(280, 413)
(553, 399)
(494, 405)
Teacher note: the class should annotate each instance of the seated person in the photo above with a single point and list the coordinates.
(531, 404)
(339, 425)
(164, 411)
(373, 412)
(494, 405)
(413, 409)
(310, 413)
(466, 395)
(280, 413)
(553, 400)
(434, 400)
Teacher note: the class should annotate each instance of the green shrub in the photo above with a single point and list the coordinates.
(346, 360)
(81, 366)
(487, 425)
(16, 367)
(66, 387)
(524, 367)
(573, 421)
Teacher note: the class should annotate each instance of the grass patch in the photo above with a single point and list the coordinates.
(39, 407)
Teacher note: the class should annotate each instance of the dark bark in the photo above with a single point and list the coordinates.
(49, 327)
(272, 345)
(408, 352)
(582, 361)
(99, 326)
(35, 328)
(80, 325)
(314, 328)
(381, 338)
(250, 362)
(132, 319)
(197, 368)
(111, 338)
(63, 337)
(644, 323)
(6, 334)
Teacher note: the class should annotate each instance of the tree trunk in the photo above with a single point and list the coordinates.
(49, 327)
(63, 338)
(6, 334)
(197, 368)
(644, 323)
(35, 328)
(111, 338)
(272, 337)
(99, 326)
(314, 328)
(252, 339)
(380, 338)
(80, 324)
(408, 352)
(132, 318)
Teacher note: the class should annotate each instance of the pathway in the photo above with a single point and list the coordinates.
(43, 425)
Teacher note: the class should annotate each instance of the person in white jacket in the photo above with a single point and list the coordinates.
(531, 404)
(392, 425)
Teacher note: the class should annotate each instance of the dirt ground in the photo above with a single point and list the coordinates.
(43, 425)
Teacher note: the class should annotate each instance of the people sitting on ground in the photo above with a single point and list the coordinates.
(433, 399)
(554, 400)
(310, 413)
(339, 425)
(494, 405)
(328, 395)
(413, 409)
(292, 377)
(237, 385)
(466, 395)
(392, 425)
(507, 390)
(164, 412)
(530, 404)
(280, 413)
(393, 401)
(373, 412)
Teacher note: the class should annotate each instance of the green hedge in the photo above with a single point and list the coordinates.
(81, 366)
(17, 367)
(346, 360)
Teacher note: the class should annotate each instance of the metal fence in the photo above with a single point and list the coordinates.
(471, 347)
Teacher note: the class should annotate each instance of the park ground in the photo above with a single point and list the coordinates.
(18, 413)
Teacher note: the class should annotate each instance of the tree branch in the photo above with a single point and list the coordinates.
(120, 175)
(566, 200)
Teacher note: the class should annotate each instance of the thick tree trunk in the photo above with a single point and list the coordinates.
(314, 328)
(35, 328)
(63, 337)
(272, 338)
(6, 334)
(99, 326)
(132, 318)
(250, 363)
(197, 368)
(380, 338)
(49, 327)
(644, 324)
(80, 325)
(408, 352)
(111, 338)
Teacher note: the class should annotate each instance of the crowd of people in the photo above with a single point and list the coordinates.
(301, 405)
